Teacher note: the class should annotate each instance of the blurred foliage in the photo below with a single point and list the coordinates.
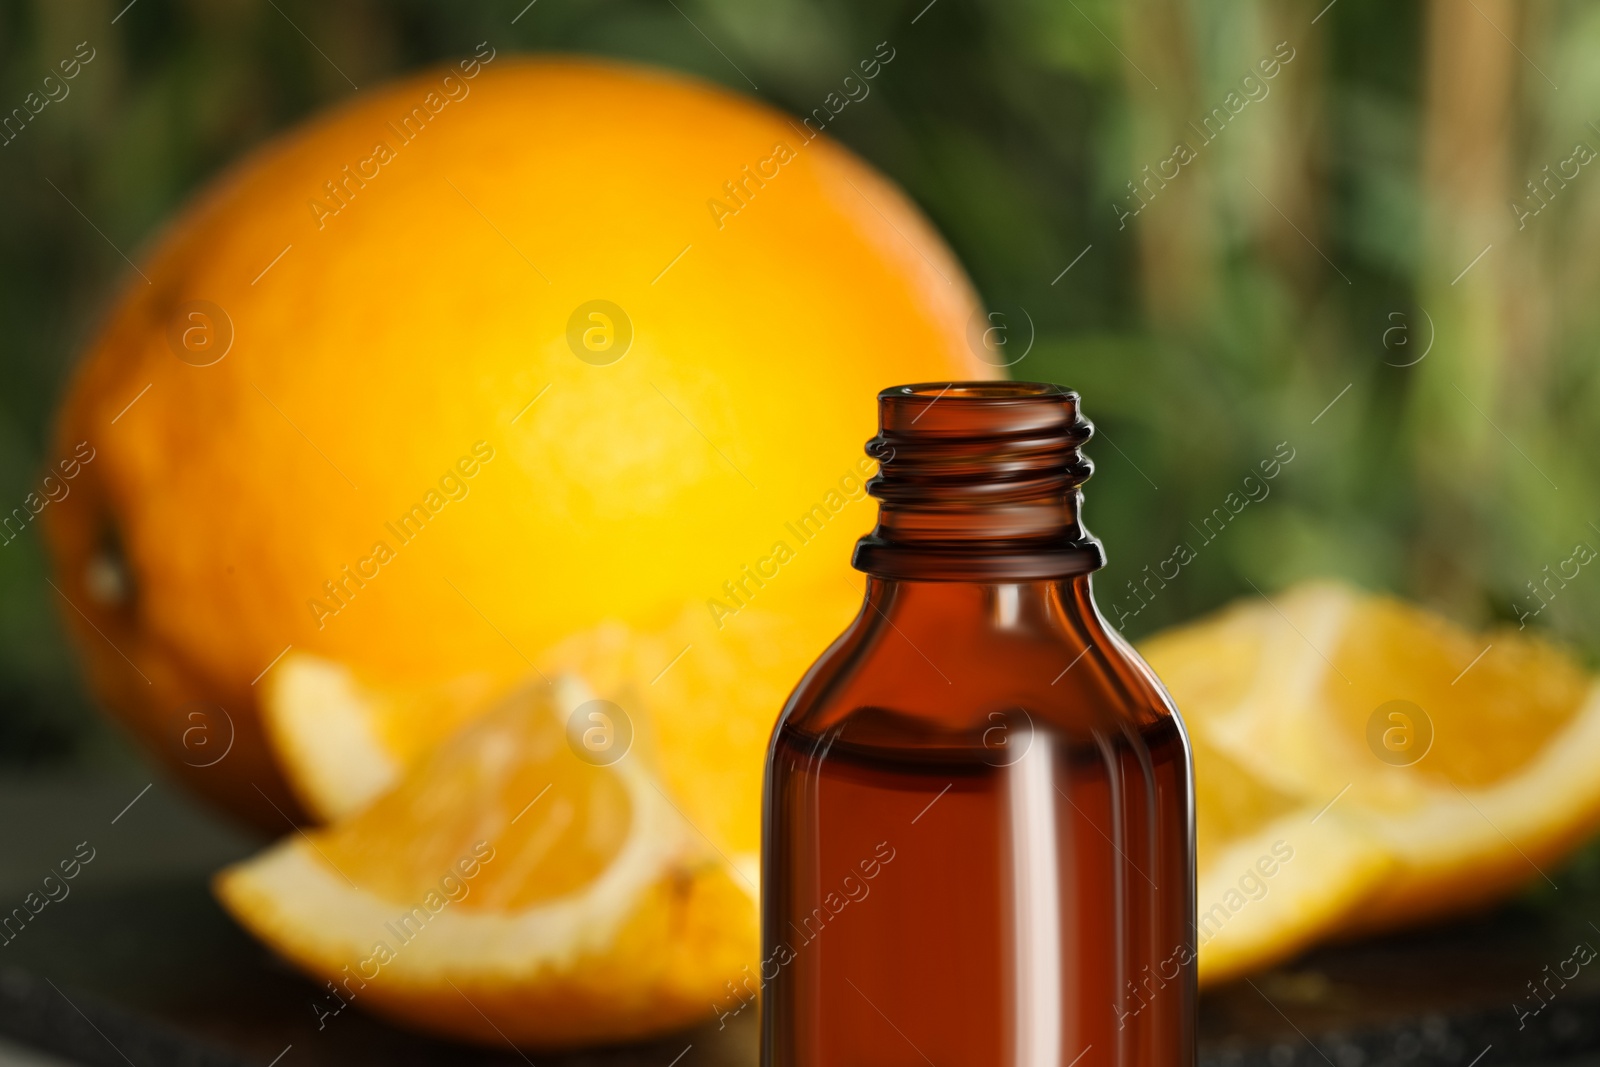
(1305, 252)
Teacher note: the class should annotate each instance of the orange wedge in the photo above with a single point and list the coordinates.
(705, 688)
(1458, 766)
(510, 888)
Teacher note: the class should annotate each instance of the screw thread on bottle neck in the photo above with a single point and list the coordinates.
(979, 481)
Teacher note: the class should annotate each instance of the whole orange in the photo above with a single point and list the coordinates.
(476, 361)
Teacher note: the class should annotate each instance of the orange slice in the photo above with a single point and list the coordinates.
(1464, 760)
(510, 887)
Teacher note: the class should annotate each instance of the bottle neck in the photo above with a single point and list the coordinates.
(1063, 607)
(979, 482)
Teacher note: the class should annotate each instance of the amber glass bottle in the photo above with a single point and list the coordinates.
(979, 840)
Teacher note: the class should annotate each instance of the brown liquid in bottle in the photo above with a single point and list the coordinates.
(979, 831)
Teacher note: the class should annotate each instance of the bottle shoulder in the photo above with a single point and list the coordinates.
(957, 673)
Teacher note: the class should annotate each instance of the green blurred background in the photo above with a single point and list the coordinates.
(1345, 234)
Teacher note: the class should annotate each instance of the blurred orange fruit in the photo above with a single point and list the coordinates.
(472, 364)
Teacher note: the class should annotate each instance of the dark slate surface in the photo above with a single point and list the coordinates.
(138, 965)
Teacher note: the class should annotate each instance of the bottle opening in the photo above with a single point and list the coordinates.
(979, 481)
(979, 390)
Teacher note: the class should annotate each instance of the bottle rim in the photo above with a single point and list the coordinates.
(978, 390)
